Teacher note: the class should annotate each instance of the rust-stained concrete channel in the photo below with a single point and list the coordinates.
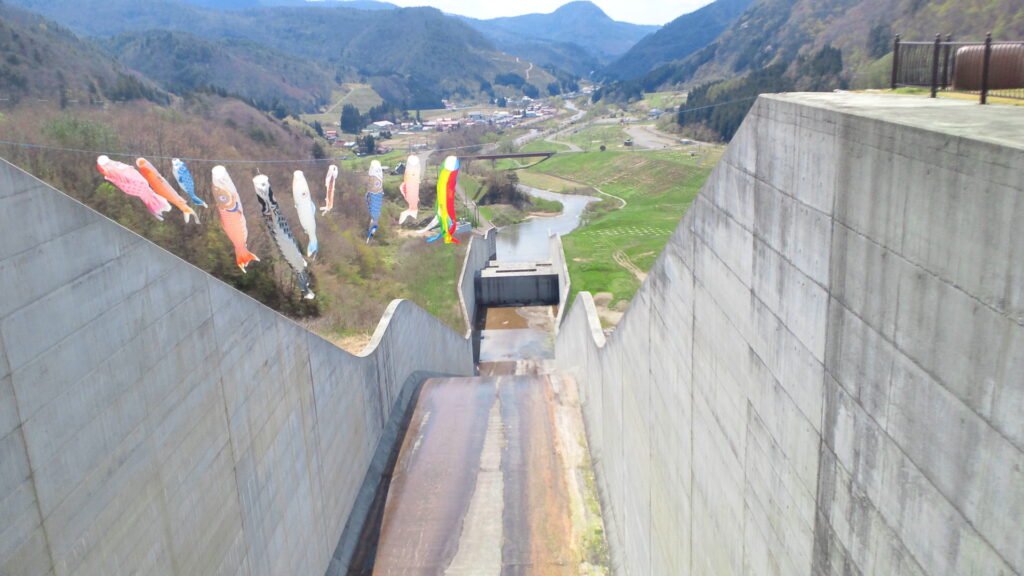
(493, 474)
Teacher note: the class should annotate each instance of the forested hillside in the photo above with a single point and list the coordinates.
(182, 63)
(41, 60)
(811, 45)
(676, 40)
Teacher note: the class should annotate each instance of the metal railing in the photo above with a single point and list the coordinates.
(985, 68)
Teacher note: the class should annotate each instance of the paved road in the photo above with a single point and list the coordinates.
(482, 484)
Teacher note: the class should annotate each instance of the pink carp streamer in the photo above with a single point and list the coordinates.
(128, 180)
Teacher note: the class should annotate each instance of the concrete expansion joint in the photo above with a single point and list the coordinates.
(924, 271)
(754, 295)
(924, 474)
(764, 242)
(767, 184)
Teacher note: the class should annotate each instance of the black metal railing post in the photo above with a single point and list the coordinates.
(935, 64)
(945, 62)
(984, 68)
(895, 59)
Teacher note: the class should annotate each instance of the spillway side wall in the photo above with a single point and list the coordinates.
(564, 282)
(153, 420)
(482, 249)
(824, 371)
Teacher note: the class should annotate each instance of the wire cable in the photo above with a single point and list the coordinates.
(30, 145)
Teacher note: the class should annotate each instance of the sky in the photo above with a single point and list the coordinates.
(636, 11)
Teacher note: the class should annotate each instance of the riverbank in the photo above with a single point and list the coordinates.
(642, 197)
(528, 240)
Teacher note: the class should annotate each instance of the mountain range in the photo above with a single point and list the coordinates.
(417, 56)
(581, 23)
(789, 33)
(676, 40)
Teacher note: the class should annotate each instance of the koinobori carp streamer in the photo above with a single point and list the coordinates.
(282, 233)
(410, 188)
(184, 179)
(307, 211)
(374, 197)
(446, 182)
(329, 182)
(128, 180)
(232, 218)
(159, 185)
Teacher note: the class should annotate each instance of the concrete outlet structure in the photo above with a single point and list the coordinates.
(518, 284)
(824, 371)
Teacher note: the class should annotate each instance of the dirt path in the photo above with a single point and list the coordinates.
(623, 260)
(572, 147)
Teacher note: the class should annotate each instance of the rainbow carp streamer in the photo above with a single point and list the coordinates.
(329, 183)
(374, 197)
(281, 232)
(185, 181)
(128, 180)
(446, 200)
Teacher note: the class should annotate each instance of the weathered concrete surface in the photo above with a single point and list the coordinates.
(153, 420)
(490, 481)
(512, 334)
(824, 371)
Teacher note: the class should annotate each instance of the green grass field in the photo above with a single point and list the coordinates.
(592, 137)
(658, 187)
(663, 100)
(362, 96)
(539, 145)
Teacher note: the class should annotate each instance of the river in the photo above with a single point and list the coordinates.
(528, 240)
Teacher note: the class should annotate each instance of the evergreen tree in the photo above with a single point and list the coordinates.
(351, 120)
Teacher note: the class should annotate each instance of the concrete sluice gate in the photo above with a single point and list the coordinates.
(822, 374)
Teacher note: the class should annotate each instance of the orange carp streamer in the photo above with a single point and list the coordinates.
(229, 205)
(159, 185)
(446, 200)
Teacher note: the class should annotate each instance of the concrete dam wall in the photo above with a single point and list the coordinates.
(153, 420)
(824, 371)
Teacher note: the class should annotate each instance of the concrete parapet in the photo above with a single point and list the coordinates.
(153, 420)
(824, 370)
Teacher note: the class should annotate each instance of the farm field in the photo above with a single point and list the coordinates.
(644, 196)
